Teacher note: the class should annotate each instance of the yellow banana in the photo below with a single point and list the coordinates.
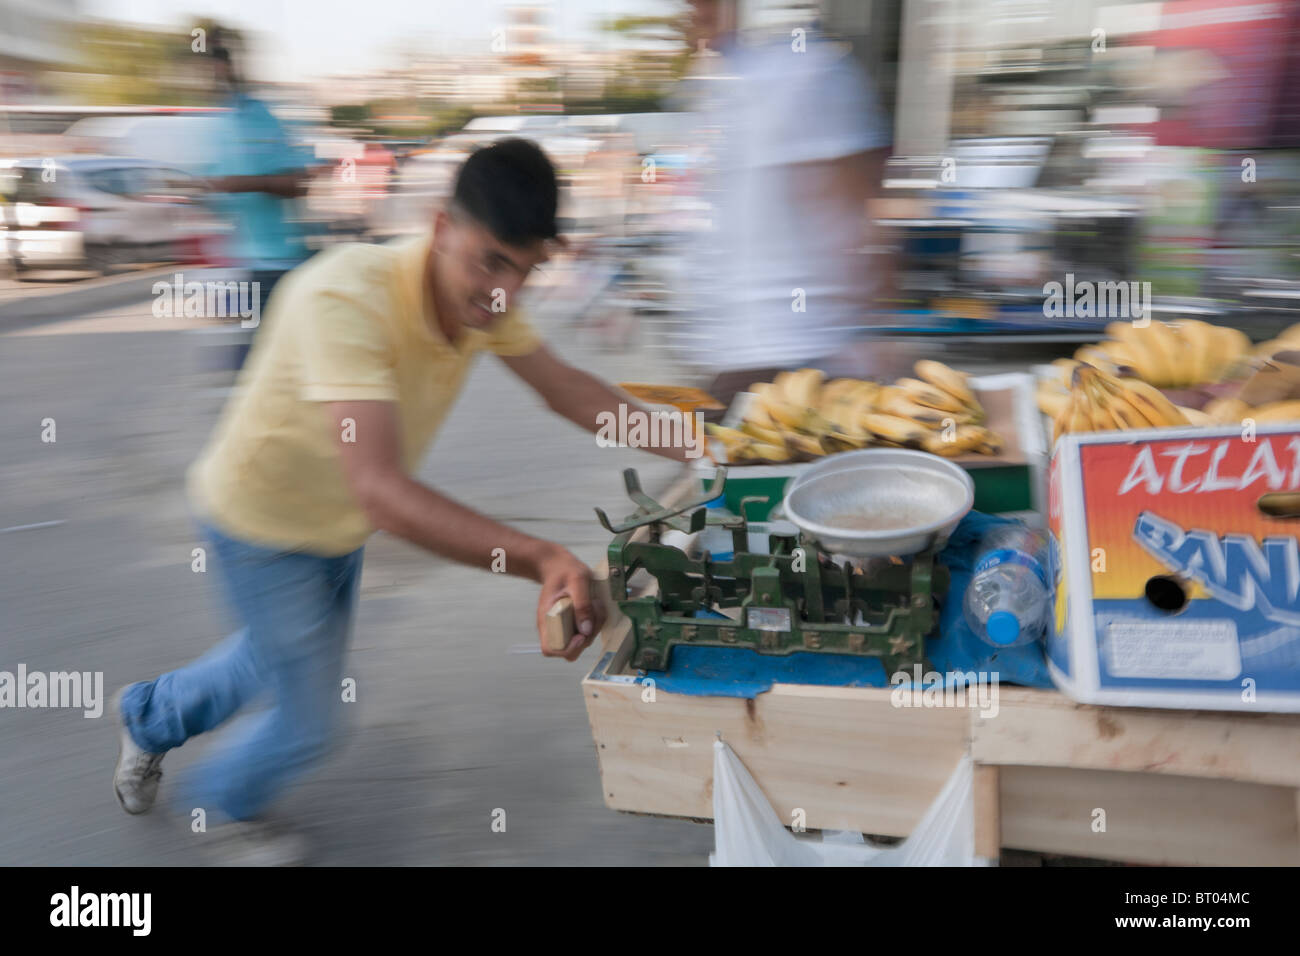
(757, 452)
(783, 414)
(1226, 411)
(924, 393)
(1051, 399)
(948, 379)
(1120, 354)
(1062, 420)
(805, 444)
(732, 440)
(1288, 411)
(1195, 416)
(1126, 415)
(1146, 347)
(1203, 357)
(1095, 356)
(963, 439)
(1079, 419)
(800, 388)
(903, 406)
(1096, 399)
(834, 391)
(904, 431)
(1065, 368)
(761, 433)
(1234, 344)
(1150, 402)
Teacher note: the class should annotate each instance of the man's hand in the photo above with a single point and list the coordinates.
(290, 184)
(563, 575)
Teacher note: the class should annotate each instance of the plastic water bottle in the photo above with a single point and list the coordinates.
(1008, 599)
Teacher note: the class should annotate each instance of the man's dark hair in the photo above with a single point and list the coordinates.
(510, 188)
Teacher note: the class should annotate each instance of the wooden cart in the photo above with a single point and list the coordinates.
(1051, 775)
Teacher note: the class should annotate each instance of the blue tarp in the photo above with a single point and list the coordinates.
(739, 672)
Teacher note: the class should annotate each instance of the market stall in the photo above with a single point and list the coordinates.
(1178, 738)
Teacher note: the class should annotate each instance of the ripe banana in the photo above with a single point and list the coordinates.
(1051, 397)
(761, 433)
(1095, 356)
(1065, 367)
(1148, 401)
(960, 441)
(923, 393)
(904, 431)
(1234, 345)
(1226, 411)
(1144, 350)
(800, 388)
(947, 379)
(901, 404)
(1203, 357)
(1288, 411)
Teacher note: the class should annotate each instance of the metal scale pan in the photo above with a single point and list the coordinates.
(880, 501)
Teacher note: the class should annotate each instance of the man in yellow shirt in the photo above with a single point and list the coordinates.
(364, 351)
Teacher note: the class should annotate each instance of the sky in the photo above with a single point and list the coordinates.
(302, 39)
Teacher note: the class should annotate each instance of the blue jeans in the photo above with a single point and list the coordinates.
(297, 611)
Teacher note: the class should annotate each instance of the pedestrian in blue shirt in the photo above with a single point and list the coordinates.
(256, 175)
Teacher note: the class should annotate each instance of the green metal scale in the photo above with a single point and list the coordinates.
(793, 598)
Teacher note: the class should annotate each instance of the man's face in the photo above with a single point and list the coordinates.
(479, 274)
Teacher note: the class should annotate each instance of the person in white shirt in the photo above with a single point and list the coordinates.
(798, 147)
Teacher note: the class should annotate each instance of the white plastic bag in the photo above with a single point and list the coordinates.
(749, 833)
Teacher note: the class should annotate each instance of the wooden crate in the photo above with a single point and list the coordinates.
(1177, 787)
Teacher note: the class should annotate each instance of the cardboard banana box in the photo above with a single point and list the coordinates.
(1178, 567)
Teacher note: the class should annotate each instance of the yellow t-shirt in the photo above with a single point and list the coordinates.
(349, 325)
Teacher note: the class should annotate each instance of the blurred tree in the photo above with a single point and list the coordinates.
(120, 64)
(655, 55)
(350, 114)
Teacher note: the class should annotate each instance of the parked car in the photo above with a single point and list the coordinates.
(95, 212)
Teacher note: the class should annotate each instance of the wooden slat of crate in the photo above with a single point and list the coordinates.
(1046, 729)
(1150, 817)
(845, 756)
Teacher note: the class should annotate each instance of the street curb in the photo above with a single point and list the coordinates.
(94, 295)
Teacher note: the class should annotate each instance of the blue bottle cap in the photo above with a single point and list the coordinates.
(1003, 627)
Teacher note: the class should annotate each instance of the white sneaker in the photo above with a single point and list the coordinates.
(254, 843)
(135, 781)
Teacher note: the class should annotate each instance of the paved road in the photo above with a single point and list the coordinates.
(452, 720)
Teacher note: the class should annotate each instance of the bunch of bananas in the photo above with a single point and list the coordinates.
(1099, 401)
(1171, 354)
(799, 416)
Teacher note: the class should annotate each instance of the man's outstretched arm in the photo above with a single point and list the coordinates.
(581, 397)
(395, 502)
